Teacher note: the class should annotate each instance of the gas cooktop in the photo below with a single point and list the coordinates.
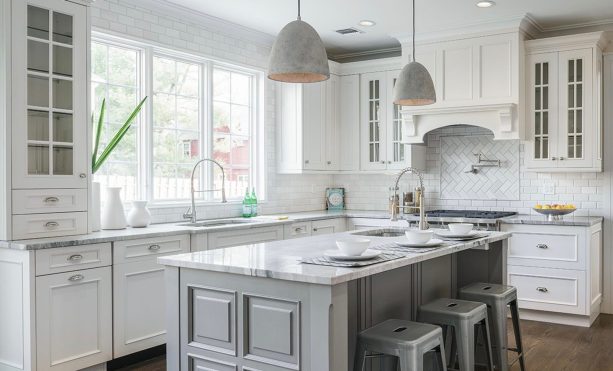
(476, 214)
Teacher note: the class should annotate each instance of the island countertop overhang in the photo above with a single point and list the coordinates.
(281, 259)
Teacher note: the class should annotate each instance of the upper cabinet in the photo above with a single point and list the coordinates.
(563, 103)
(381, 146)
(47, 164)
(307, 127)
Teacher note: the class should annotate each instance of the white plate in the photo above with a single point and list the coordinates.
(432, 243)
(449, 234)
(338, 255)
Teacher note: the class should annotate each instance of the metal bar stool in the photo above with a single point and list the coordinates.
(497, 298)
(462, 316)
(408, 341)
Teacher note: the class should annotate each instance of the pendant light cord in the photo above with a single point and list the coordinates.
(298, 9)
(413, 29)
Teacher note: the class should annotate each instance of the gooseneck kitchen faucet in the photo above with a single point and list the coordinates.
(422, 207)
(191, 212)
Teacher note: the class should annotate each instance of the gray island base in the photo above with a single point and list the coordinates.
(256, 308)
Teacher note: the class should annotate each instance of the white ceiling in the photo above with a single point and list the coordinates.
(393, 17)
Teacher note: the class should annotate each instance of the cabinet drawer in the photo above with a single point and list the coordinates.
(65, 259)
(554, 290)
(134, 250)
(328, 226)
(49, 225)
(559, 248)
(217, 240)
(297, 230)
(35, 201)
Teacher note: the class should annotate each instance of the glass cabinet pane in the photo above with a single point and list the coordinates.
(574, 107)
(62, 60)
(38, 91)
(62, 160)
(38, 56)
(62, 94)
(38, 22)
(374, 104)
(541, 111)
(62, 28)
(38, 125)
(38, 159)
(62, 127)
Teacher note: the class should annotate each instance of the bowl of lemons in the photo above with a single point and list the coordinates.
(554, 211)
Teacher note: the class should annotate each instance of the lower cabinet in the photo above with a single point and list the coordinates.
(327, 226)
(74, 319)
(138, 292)
(354, 224)
(557, 272)
(218, 240)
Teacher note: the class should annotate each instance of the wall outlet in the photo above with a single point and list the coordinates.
(549, 189)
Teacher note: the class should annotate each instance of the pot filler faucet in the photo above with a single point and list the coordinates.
(191, 212)
(422, 207)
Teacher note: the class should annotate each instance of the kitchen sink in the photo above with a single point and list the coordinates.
(217, 223)
(386, 232)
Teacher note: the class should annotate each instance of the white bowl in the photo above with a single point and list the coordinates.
(460, 228)
(353, 246)
(418, 236)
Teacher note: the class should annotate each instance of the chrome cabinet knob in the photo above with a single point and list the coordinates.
(329, 162)
(314, 229)
(154, 247)
(561, 158)
(542, 246)
(76, 277)
(554, 158)
(542, 289)
(82, 175)
(306, 161)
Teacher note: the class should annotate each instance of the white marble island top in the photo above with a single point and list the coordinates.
(281, 259)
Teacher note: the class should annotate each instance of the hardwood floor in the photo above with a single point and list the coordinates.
(548, 347)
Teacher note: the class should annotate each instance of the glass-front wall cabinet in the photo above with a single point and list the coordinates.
(373, 121)
(49, 92)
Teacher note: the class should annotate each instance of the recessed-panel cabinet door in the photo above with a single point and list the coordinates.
(576, 147)
(332, 136)
(74, 319)
(542, 110)
(373, 101)
(314, 125)
(49, 94)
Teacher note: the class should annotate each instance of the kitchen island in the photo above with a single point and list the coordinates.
(256, 307)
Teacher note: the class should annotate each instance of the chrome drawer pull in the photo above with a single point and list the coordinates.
(542, 289)
(298, 230)
(76, 277)
(52, 224)
(542, 246)
(75, 258)
(51, 200)
(154, 247)
(314, 229)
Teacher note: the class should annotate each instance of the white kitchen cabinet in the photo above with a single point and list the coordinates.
(74, 319)
(297, 230)
(557, 271)
(564, 104)
(349, 119)
(218, 240)
(138, 295)
(48, 122)
(381, 126)
(328, 226)
(307, 127)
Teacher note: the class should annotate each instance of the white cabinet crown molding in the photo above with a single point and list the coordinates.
(600, 39)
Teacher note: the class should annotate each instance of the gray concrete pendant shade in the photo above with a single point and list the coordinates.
(298, 55)
(414, 86)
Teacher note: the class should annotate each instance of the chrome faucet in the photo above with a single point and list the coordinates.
(191, 212)
(422, 207)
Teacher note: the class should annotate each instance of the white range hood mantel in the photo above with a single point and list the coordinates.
(500, 119)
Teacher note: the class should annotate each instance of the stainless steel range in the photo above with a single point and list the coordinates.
(483, 220)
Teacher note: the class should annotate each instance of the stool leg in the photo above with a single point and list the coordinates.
(441, 354)
(453, 347)
(517, 333)
(465, 338)
(485, 326)
(360, 353)
(499, 322)
(410, 361)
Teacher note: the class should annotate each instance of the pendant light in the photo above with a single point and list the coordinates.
(298, 54)
(414, 86)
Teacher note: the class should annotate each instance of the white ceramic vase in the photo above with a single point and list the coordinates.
(113, 214)
(139, 216)
(94, 213)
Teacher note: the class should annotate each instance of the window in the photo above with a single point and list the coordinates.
(197, 108)
(115, 72)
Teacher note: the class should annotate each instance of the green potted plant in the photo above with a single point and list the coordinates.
(99, 159)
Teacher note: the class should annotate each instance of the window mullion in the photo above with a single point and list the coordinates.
(206, 127)
(147, 143)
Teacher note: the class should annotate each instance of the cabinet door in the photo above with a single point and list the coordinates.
(328, 226)
(73, 319)
(218, 240)
(349, 133)
(373, 118)
(49, 59)
(542, 110)
(396, 157)
(314, 125)
(332, 135)
(138, 306)
(577, 129)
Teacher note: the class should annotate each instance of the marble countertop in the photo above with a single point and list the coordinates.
(568, 220)
(280, 259)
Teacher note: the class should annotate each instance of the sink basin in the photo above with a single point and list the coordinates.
(217, 223)
(386, 232)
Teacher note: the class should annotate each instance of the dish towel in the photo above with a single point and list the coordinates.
(324, 260)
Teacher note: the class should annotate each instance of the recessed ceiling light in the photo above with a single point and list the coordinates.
(367, 23)
(485, 4)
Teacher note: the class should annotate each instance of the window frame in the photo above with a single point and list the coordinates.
(145, 182)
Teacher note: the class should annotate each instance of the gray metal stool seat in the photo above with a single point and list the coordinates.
(408, 341)
(497, 298)
(462, 316)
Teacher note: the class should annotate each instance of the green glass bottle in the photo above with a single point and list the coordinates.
(254, 203)
(247, 204)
